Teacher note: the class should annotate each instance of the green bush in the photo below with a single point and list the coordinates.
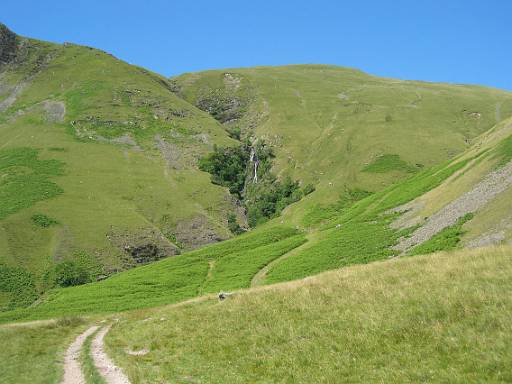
(234, 132)
(308, 188)
(233, 225)
(228, 167)
(232, 167)
(69, 273)
(43, 221)
(267, 198)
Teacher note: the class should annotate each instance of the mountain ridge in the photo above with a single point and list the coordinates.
(114, 159)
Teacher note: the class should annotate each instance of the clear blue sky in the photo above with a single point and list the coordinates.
(460, 41)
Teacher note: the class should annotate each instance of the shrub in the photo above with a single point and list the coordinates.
(308, 188)
(234, 132)
(43, 221)
(70, 321)
(233, 225)
(69, 273)
(228, 167)
(269, 197)
(232, 167)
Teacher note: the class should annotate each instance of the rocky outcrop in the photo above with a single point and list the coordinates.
(143, 246)
(485, 191)
(8, 45)
(197, 232)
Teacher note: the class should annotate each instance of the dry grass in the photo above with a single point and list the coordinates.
(436, 318)
(32, 353)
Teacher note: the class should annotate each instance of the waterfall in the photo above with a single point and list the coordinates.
(254, 159)
(255, 179)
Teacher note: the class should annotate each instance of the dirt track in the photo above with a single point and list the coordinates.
(106, 368)
(72, 371)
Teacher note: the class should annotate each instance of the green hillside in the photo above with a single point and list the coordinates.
(342, 129)
(98, 165)
(105, 166)
(117, 186)
(360, 231)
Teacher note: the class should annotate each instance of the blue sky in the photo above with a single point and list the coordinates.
(454, 41)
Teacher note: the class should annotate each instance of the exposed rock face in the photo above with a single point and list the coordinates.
(143, 246)
(196, 232)
(8, 45)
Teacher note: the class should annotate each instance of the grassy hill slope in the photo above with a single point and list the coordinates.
(459, 203)
(360, 231)
(434, 318)
(475, 186)
(98, 165)
(340, 128)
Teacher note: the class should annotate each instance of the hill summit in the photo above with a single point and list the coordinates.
(8, 45)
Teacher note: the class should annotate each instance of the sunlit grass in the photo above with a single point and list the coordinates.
(436, 318)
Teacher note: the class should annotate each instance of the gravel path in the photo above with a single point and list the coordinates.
(72, 371)
(110, 372)
(106, 368)
(492, 185)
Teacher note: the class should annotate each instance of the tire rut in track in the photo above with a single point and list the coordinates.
(72, 369)
(106, 368)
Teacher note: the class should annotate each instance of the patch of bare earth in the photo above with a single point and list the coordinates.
(11, 99)
(493, 236)
(107, 369)
(197, 231)
(72, 370)
(55, 111)
(170, 152)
